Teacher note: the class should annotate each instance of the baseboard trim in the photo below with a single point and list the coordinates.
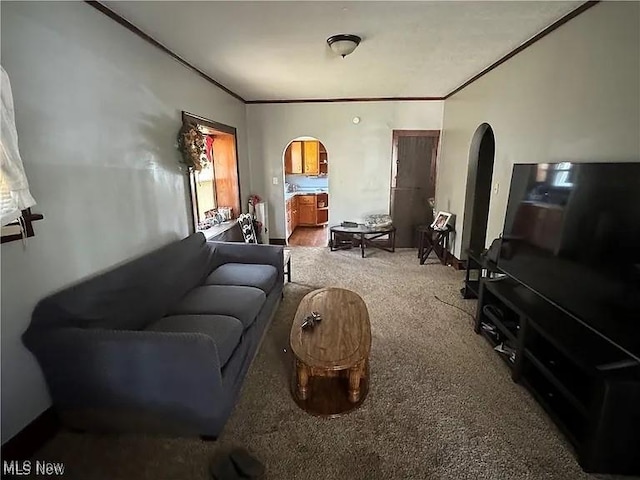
(457, 263)
(277, 241)
(31, 438)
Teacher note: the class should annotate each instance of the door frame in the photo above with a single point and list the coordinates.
(300, 138)
(396, 134)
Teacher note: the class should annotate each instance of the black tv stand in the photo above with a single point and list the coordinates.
(589, 386)
(477, 268)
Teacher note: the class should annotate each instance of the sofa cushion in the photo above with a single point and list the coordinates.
(244, 274)
(226, 331)
(243, 303)
(134, 294)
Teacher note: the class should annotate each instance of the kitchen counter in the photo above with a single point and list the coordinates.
(314, 191)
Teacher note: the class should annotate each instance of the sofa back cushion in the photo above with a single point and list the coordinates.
(131, 295)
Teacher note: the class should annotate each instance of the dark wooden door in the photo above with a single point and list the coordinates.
(413, 180)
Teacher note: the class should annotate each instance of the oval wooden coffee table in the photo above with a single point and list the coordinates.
(331, 374)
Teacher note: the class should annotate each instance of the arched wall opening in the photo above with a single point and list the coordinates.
(306, 192)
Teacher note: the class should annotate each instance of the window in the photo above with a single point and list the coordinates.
(215, 190)
(205, 192)
(15, 198)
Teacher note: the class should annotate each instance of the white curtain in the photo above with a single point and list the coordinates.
(14, 188)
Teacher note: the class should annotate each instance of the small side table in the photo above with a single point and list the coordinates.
(433, 240)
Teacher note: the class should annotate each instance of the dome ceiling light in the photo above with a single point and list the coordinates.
(344, 43)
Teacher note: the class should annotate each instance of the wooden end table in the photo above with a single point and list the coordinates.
(431, 240)
(331, 366)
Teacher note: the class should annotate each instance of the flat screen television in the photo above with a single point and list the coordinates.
(572, 235)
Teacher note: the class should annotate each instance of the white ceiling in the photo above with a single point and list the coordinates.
(277, 50)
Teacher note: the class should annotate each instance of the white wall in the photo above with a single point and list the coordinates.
(97, 112)
(572, 96)
(359, 155)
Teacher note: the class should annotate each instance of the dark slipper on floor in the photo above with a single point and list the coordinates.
(222, 468)
(247, 465)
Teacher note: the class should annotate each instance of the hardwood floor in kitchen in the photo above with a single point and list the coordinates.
(310, 237)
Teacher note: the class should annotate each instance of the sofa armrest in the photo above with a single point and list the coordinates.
(120, 369)
(234, 252)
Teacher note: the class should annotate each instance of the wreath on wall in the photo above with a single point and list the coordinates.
(192, 144)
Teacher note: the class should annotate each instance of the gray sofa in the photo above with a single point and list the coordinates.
(161, 343)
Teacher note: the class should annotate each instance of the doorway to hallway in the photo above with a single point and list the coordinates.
(478, 194)
(413, 182)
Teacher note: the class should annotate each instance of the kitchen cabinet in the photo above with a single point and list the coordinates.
(293, 155)
(322, 209)
(307, 210)
(311, 158)
(307, 157)
(288, 225)
(293, 216)
(324, 164)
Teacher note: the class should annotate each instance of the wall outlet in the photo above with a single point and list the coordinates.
(275, 180)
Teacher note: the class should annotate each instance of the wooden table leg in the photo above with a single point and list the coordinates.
(355, 373)
(303, 379)
(362, 244)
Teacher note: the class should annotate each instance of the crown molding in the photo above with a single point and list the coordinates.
(132, 28)
(351, 99)
(572, 14)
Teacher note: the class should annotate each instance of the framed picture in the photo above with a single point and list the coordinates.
(441, 221)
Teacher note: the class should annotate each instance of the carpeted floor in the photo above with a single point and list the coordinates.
(441, 403)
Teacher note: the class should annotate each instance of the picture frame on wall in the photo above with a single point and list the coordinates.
(441, 221)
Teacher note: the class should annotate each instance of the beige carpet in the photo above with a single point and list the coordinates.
(441, 403)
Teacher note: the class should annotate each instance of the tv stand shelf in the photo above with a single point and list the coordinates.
(587, 384)
(478, 267)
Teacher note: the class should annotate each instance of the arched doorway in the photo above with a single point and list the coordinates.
(478, 195)
(306, 192)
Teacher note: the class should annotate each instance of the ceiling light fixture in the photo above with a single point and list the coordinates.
(344, 43)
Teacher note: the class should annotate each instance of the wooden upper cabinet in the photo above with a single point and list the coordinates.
(287, 160)
(305, 158)
(324, 164)
(311, 158)
(293, 158)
